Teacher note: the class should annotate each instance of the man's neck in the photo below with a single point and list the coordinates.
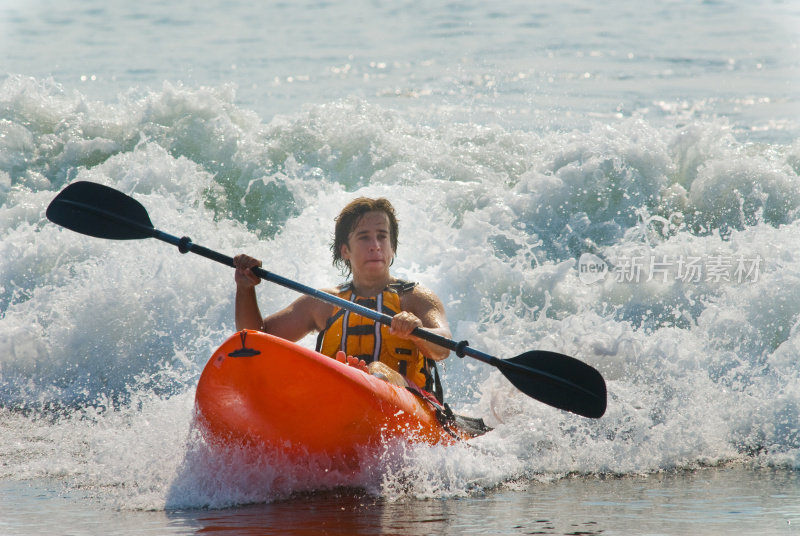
(370, 287)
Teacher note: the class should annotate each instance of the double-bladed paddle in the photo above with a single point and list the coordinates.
(555, 379)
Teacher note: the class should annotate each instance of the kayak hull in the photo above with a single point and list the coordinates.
(270, 393)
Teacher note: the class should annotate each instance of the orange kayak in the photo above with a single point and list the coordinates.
(267, 392)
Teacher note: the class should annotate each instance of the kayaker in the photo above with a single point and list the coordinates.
(364, 247)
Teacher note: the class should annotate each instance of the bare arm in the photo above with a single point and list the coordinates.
(301, 317)
(422, 308)
(298, 319)
(248, 315)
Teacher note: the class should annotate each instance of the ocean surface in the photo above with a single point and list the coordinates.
(616, 181)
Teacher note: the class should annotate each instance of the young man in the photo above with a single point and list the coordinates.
(365, 245)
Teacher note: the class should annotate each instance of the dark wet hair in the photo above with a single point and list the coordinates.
(348, 219)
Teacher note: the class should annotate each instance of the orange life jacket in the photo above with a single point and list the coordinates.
(371, 341)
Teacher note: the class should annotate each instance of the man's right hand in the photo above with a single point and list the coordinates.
(244, 274)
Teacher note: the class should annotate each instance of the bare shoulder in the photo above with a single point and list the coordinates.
(421, 293)
(423, 302)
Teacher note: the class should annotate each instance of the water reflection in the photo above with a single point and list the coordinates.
(709, 501)
(351, 512)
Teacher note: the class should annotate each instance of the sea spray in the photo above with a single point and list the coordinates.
(102, 342)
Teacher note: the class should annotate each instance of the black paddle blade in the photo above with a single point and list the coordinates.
(558, 380)
(96, 210)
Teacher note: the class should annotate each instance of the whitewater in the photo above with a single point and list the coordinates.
(619, 184)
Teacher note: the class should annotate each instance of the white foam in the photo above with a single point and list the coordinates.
(111, 336)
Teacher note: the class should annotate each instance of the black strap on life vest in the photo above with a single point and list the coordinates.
(328, 324)
(432, 382)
